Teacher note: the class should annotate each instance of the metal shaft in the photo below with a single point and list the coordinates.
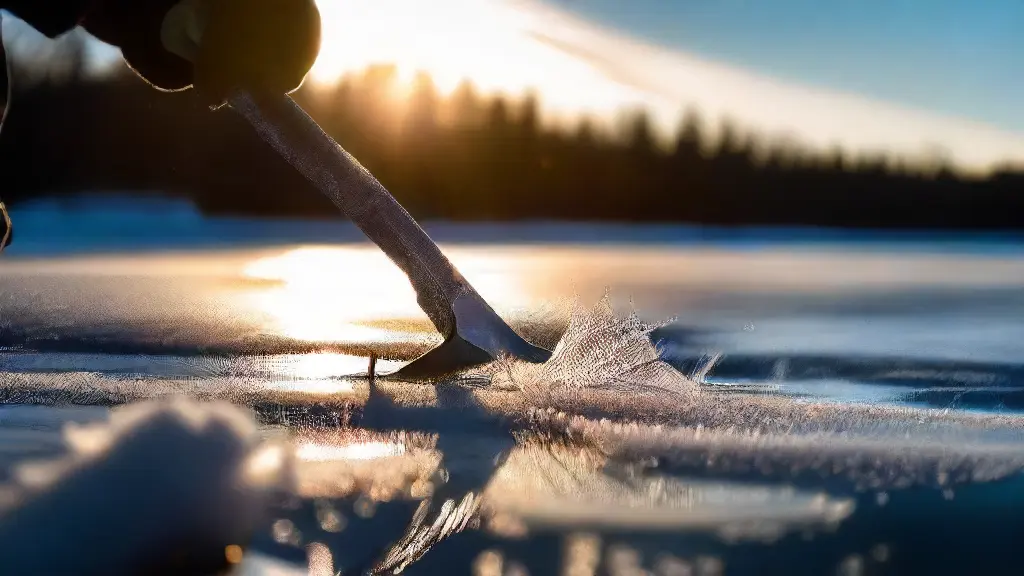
(360, 197)
(451, 303)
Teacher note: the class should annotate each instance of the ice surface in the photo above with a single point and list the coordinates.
(604, 443)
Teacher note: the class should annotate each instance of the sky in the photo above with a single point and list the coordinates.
(912, 78)
(907, 77)
(960, 57)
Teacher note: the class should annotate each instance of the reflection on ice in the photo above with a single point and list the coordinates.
(361, 451)
(322, 365)
(320, 387)
(319, 373)
(549, 486)
(546, 488)
(543, 486)
(328, 294)
(825, 390)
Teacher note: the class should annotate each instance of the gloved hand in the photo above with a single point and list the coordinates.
(214, 45)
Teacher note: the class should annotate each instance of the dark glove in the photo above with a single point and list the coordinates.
(134, 27)
(214, 45)
(263, 46)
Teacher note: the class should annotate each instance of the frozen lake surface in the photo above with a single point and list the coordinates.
(862, 416)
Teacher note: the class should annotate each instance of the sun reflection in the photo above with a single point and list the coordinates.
(326, 387)
(266, 461)
(322, 372)
(335, 294)
(323, 365)
(362, 451)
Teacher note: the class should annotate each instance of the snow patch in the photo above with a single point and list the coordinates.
(162, 487)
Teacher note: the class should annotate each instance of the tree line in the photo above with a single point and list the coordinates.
(466, 156)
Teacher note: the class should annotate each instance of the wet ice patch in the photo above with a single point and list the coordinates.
(546, 486)
(174, 486)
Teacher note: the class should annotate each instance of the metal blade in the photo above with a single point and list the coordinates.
(454, 307)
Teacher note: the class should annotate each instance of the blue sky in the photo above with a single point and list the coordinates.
(959, 57)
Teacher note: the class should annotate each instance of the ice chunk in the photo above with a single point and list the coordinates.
(599, 350)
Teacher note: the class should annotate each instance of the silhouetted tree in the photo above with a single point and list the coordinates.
(465, 156)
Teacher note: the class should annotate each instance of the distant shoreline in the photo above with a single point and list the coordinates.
(112, 222)
(466, 158)
(180, 207)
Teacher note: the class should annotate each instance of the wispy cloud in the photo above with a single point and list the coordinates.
(668, 80)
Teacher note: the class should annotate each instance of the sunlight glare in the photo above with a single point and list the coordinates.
(324, 365)
(326, 387)
(266, 461)
(324, 373)
(490, 42)
(310, 452)
(327, 294)
(579, 67)
(326, 289)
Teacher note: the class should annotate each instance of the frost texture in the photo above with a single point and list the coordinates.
(598, 351)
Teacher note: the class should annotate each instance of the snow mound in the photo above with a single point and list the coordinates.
(165, 487)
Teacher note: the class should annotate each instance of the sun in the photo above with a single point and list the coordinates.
(493, 43)
(450, 39)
